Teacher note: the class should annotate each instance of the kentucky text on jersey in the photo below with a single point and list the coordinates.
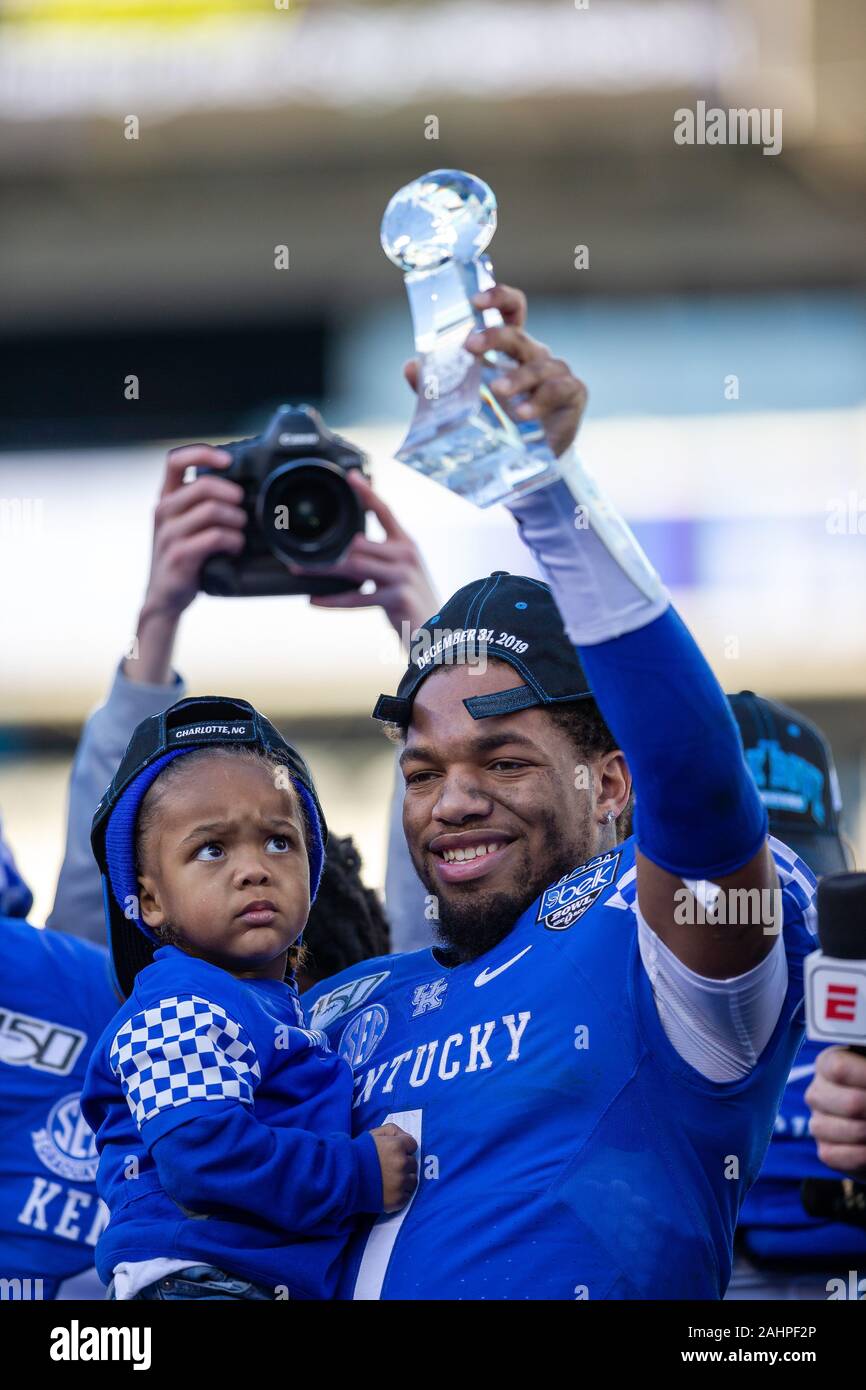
(566, 1151)
(456, 1054)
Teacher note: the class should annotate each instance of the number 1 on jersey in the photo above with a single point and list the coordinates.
(380, 1242)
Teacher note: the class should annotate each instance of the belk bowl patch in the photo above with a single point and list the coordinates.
(565, 902)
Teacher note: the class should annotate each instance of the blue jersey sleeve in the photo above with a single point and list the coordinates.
(176, 1058)
(669, 715)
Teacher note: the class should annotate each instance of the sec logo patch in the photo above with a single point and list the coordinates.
(67, 1145)
(362, 1036)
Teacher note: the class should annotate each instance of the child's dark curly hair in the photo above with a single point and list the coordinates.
(347, 922)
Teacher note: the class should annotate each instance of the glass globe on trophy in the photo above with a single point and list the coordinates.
(437, 230)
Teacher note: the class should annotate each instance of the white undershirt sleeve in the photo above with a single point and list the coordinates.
(720, 1027)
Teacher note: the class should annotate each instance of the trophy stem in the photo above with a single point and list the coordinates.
(461, 436)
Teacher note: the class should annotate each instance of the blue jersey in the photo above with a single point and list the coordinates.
(222, 1126)
(55, 999)
(566, 1149)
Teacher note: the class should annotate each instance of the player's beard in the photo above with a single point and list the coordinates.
(473, 919)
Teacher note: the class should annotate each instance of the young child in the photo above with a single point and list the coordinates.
(222, 1123)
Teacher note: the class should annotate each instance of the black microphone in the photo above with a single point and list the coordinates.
(835, 983)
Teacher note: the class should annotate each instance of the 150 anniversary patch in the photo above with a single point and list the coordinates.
(564, 902)
(342, 1000)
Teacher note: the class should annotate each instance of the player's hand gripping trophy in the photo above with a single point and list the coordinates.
(437, 230)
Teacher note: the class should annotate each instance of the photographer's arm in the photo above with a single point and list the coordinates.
(78, 906)
(191, 522)
(403, 588)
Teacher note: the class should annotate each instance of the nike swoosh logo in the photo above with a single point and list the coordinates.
(797, 1073)
(487, 975)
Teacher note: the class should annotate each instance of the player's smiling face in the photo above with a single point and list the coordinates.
(225, 863)
(491, 812)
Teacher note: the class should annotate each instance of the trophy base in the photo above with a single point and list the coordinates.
(473, 459)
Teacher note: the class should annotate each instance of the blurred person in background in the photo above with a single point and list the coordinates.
(56, 996)
(781, 1251)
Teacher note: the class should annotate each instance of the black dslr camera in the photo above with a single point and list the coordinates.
(300, 506)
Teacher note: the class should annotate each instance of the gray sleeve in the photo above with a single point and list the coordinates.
(78, 901)
(406, 901)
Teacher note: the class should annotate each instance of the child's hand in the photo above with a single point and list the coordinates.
(399, 1168)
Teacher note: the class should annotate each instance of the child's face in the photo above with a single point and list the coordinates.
(225, 864)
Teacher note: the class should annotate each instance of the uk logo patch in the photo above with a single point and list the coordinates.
(362, 1036)
(428, 997)
(565, 902)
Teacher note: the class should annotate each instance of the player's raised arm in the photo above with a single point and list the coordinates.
(700, 826)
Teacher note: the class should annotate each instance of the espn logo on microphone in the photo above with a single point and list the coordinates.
(835, 999)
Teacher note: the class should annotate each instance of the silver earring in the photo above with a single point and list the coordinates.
(608, 817)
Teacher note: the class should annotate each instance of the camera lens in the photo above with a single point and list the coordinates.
(313, 513)
(308, 512)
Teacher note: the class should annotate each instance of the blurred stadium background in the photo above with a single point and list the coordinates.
(720, 325)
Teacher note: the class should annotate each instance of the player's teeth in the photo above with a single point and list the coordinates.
(473, 852)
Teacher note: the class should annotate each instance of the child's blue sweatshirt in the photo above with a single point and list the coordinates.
(223, 1130)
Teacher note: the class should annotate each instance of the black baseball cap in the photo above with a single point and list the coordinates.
(792, 764)
(507, 616)
(156, 741)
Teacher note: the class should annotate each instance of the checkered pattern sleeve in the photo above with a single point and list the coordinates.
(175, 1058)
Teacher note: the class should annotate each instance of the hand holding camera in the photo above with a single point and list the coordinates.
(283, 513)
(191, 523)
(300, 510)
(403, 587)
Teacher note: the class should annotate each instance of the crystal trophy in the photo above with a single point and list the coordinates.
(437, 230)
